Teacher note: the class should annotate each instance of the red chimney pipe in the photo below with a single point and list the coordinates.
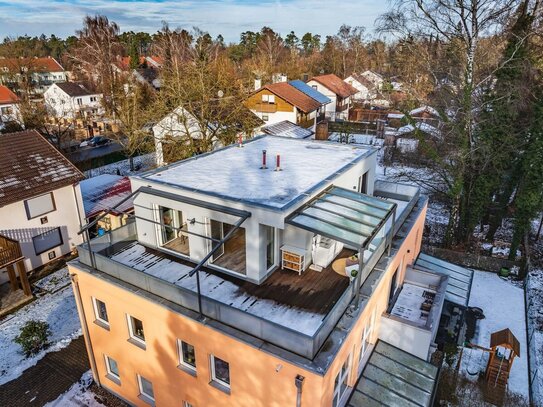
(263, 160)
(240, 140)
(278, 163)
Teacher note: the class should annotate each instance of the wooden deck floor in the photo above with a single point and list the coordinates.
(312, 291)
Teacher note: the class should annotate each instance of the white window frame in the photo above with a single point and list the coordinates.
(131, 329)
(265, 117)
(265, 98)
(365, 344)
(97, 313)
(213, 374)
(108, 368)
(140, 385)
(338, 398)
(181, 355)
(271, 99)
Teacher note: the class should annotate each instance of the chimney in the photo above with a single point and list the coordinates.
(278, 163)
(258, 83)
(240, 140)
(263, 160)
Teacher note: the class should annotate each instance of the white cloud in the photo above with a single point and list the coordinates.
(229, 17)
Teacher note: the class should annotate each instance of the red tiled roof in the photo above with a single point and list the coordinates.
(7, 96)
(293, 96)
(45, 64)
(31, 166)
(336, 85)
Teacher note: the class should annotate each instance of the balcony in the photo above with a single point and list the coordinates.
(266, 107)
(414, 312)
(306, 124)
(11, 258)
(294, 312)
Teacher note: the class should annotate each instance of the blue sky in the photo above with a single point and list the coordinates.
(229, 17)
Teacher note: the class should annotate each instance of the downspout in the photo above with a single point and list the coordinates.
(299, 382)
(85, 327)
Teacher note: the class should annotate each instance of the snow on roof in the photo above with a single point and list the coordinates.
(427, 109)
(395, 115)
(287, 129)
(424, 127)
(103, 192)
(234, 173)
(31, 166)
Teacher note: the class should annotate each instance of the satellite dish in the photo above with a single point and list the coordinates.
(220, 93)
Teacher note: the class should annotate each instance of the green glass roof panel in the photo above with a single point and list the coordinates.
(356, 196)
(328, 230)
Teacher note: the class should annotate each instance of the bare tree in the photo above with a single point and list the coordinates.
(97, 50)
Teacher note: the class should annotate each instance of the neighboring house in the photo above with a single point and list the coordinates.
(147, 70)
(242, 284)
(281, 101)
(183, 126)
(339, 91)
(376, 79)
(287, 129)
(42, 72)
(9, 107)
(101, 195)
(40, 200)
(71, 100)
(367, 90)
(314, 94)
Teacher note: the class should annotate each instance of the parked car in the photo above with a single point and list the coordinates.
(85, 142)
(98, 141)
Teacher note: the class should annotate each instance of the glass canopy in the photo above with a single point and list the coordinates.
(343, 215)
(393, 377)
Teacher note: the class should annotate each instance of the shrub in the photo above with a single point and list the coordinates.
(34, 336)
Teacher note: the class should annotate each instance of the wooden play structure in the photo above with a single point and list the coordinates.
(504, 347)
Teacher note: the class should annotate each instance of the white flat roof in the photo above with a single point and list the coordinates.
(234, 173)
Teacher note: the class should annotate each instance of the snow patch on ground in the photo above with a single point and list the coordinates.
(142, 163)
(534, 299)
(78, 395)
(58, 310)
(503, 306)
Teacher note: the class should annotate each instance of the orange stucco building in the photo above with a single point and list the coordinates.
(226, 295)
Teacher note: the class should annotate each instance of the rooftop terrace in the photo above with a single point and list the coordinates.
(292, 312)
(235, 173)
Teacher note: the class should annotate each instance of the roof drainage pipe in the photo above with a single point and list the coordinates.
(299, 382)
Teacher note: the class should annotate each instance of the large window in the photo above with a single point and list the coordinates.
(100, 311)
(187, 355)
(269, 235)
(135, 328)
(220, 371)
(39, 205)
(231, 254)
(146, 389)
(341, 387)
(174, 234)
(47, 241)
